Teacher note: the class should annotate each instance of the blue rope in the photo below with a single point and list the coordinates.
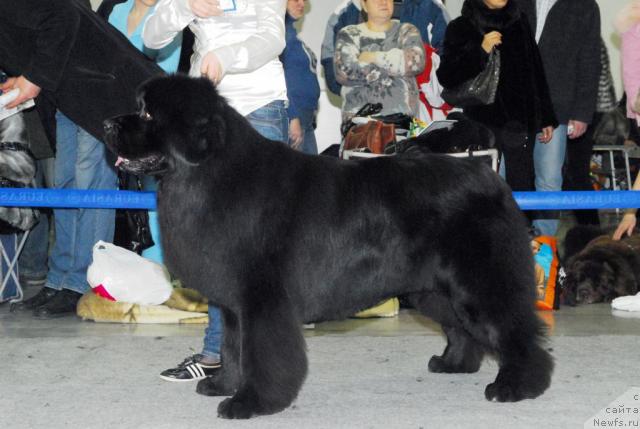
(92, 199)
(76, 198)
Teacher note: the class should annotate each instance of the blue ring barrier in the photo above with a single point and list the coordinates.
(76, 198)
(93, 199)
(576, 200)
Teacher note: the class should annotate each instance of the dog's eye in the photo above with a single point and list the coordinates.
(146, 116)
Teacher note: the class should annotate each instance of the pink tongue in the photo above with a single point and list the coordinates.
(119, 161)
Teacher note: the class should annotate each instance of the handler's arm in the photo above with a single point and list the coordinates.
(628, 222)
(406, 60)
(260, 48)
(350, 71)
(56, 25)
(168, 19)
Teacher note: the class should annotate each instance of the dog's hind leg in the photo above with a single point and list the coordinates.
(272, 358)
(224, 382)
(463, 354)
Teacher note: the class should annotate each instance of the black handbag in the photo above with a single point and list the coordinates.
(478, 90)
(132, 225)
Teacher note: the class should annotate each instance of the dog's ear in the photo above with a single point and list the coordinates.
(205, 135)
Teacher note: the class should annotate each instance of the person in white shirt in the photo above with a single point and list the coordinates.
(238, 50)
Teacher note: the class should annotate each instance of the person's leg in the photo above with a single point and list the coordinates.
(516, 165)
(212, 335)
(309, 144)
(271, 122)
(80, 228)
(61, 258)
(548, 159)
(92, 172)
(577, 172)
(516, 161)
(33, 258)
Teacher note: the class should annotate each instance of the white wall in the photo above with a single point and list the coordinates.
(312, 32)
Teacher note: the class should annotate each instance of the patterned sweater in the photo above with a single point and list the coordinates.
(390, 79)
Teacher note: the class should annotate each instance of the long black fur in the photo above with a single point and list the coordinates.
(276, 238)
(601, 270)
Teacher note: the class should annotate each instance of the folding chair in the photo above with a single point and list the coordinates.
(10, 248)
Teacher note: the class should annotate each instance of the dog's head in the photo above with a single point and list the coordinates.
(598, 275)
(179, 119)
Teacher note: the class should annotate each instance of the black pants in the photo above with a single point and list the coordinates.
(577, 168)
(517, 150)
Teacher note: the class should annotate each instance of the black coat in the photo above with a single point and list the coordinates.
(85, 67)
(570, 51)
(522, 99)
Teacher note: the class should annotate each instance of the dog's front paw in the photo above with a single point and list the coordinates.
(236, 408)
(209, 387)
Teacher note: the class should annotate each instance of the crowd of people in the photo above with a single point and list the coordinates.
(82, 67)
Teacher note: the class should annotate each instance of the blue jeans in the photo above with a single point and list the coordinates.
(548, 160)
(80, 164)
(33, 259)
(271, 121)
(309, 144)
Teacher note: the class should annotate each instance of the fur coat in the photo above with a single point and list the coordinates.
(522, 99)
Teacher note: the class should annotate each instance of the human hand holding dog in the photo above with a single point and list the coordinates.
(491, 40)
(28, 90)
(626, 225)
(205, 8)
(628, 222)
(211, 68)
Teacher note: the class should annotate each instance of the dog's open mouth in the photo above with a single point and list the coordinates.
(151, 164)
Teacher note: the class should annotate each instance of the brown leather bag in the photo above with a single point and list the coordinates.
(374, 136)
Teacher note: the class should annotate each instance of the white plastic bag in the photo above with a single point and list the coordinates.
(126, 276)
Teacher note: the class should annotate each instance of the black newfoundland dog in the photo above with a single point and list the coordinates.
(276, 238)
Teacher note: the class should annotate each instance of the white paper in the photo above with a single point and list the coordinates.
(7, 98)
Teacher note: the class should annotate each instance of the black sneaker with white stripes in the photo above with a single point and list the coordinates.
(190, 369)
